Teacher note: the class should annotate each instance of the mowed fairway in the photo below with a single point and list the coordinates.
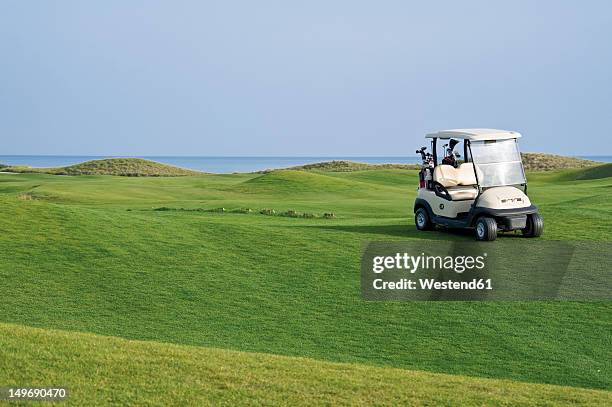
(92, 254)
(100, 370)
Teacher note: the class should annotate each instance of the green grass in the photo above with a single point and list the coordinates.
(131, 167)
(91, 254)
(100, 370)
(597, 172)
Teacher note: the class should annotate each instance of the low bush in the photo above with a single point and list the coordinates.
(242, 210)
(266, 211)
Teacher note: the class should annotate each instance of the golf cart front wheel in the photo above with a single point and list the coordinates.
(486, 229)
(535, 226)
(421, 220)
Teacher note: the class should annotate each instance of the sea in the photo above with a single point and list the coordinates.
(221, 164)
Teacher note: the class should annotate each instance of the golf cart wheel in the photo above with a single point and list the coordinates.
(486, 229)
(535, 226)
(421, 220)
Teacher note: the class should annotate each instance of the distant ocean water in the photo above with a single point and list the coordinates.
(218, 164)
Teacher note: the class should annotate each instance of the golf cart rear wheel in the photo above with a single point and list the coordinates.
(486, 229)
(421, 220)
(535, 226)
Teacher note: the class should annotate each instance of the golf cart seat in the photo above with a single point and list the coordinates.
(463, 193)
(460, 183)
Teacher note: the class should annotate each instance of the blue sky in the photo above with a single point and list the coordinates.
(300, 78)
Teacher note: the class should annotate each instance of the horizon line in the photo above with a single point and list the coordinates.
(264, 156)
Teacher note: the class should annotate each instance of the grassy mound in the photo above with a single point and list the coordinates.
(396, 178)
(295, 181)
(531, 161)
(100, 370)
(130, 167)
(548, 162)
(347, 166)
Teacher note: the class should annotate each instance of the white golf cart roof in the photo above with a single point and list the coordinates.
(475, 134)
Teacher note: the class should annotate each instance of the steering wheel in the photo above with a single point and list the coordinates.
(441, 191)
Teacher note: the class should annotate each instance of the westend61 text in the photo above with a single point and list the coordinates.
(432, 284)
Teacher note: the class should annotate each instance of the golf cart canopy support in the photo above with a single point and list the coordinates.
(475, 134)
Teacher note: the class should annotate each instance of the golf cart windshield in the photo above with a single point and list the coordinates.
(498, 162)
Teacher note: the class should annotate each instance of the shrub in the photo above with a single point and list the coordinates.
(25, 197)
(294, 214)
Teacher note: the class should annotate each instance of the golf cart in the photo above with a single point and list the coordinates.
(486, 192)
